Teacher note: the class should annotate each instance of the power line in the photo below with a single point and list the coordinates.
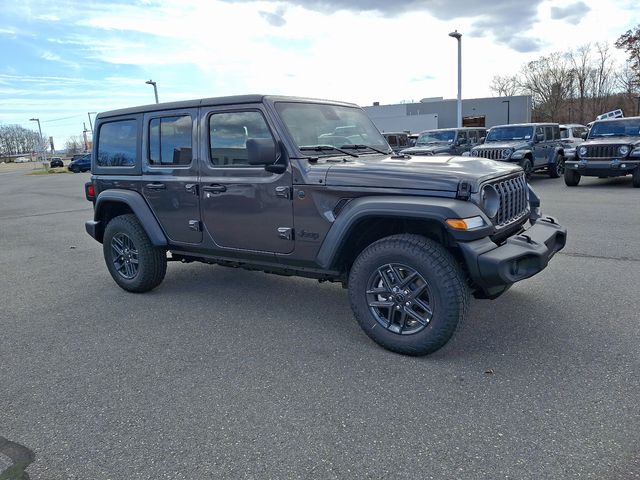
(63, 118)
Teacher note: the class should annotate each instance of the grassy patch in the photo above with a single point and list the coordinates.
(49, 170)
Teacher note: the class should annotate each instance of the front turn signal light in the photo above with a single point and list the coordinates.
(465, 223)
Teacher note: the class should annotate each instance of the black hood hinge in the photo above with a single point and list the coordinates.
(464, 190)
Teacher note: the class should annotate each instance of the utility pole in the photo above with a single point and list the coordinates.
(84, 134)
(155, 88)
(90, 124)
(458, 37)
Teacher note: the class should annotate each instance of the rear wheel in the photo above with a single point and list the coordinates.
(571, 178)
(556, 169)
(133, 262)
(408, 294)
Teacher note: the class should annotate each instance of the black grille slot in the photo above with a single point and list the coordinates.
(601, 151)
(490, 153)
(513, 200)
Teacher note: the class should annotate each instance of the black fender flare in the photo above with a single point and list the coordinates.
(437, 209)
(138, 206)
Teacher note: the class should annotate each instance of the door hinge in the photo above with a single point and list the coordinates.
(195, 225)
(285, 233)
(284, 192)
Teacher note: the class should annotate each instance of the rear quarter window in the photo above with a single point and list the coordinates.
(117, 144)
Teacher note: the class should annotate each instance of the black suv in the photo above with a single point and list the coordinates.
(446, 141)
(306, 187)
(612, 149)
(80, 163)
(533, 146)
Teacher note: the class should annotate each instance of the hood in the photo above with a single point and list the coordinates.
(430, 149)
(425, 173)
(626, 140)
(515, 144)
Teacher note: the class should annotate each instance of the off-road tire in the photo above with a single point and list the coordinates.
(571, 178)
(152, 261)
(527, 166)
(446, 283)
(635, 178)
(556, 169)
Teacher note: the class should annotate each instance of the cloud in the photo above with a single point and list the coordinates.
(571, 13)
(502, 19)
(274, 19)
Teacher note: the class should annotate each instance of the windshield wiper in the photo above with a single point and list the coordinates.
(359, 146)
(322, 148)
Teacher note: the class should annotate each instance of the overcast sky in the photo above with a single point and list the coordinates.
(60, 60)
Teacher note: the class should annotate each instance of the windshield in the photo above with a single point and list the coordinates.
(502, 134)
(616, 128)
(316, 124)
(435, 136)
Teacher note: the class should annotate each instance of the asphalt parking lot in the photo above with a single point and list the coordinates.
(223, 373)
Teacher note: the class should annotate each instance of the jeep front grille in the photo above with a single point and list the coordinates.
(513, 200)
(601, 151)
(490, 153)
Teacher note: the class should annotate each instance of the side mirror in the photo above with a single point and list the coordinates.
(261, 151)
(584, 135)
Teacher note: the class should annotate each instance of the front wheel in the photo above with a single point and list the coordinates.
(408, 294)
(556, 169)
(133, 262)
(571, 178)
(527, 166)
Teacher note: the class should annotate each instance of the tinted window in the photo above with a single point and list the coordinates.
(393, 140)
(564, 133)
(578, 131)
(462, 137)
(170, 141)
(548, 133)
(228, 134)
(556, 132)
(117, 144)
(402, 140)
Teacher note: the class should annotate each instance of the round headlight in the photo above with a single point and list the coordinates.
(474, 153)
(623, 150)
(490, 200)
(505, 153)
(582, 151)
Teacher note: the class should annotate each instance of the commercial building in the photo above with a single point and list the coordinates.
(440, 113)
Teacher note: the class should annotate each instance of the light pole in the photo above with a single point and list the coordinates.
(91, 124)
(458, 37)
(44, 149)
(155, 88)
(508, 108)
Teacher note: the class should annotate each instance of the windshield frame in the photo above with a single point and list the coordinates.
(330, 124)
(514, 138)
(614, 126)
(430, 134)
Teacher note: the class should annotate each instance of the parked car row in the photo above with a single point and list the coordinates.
(612, 147)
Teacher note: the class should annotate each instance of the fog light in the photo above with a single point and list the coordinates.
(466, 223)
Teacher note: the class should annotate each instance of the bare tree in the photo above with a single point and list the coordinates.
(74, 144)
(630, 43)
(602, 81)
(15, 140)
(505, 85)
(549, 80)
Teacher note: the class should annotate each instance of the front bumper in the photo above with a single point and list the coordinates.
(493, 268)
(603, 168)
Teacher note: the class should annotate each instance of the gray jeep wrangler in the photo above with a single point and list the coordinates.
(305, 187)
(533, 146)
(612, 149)
(446, 141)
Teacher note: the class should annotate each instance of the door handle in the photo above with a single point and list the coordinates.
(214, 188)
(155, 186)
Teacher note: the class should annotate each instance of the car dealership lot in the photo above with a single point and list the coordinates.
(224, 373)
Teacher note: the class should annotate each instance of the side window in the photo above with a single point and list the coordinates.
(548, 133)
(556, 132)
(578, 131)
(170, 141)
(402, 140)
(393, 140)
(564, 133)
(473, 136)
(228, 134)
(117, 144)
(462, 137)
(539, 131)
